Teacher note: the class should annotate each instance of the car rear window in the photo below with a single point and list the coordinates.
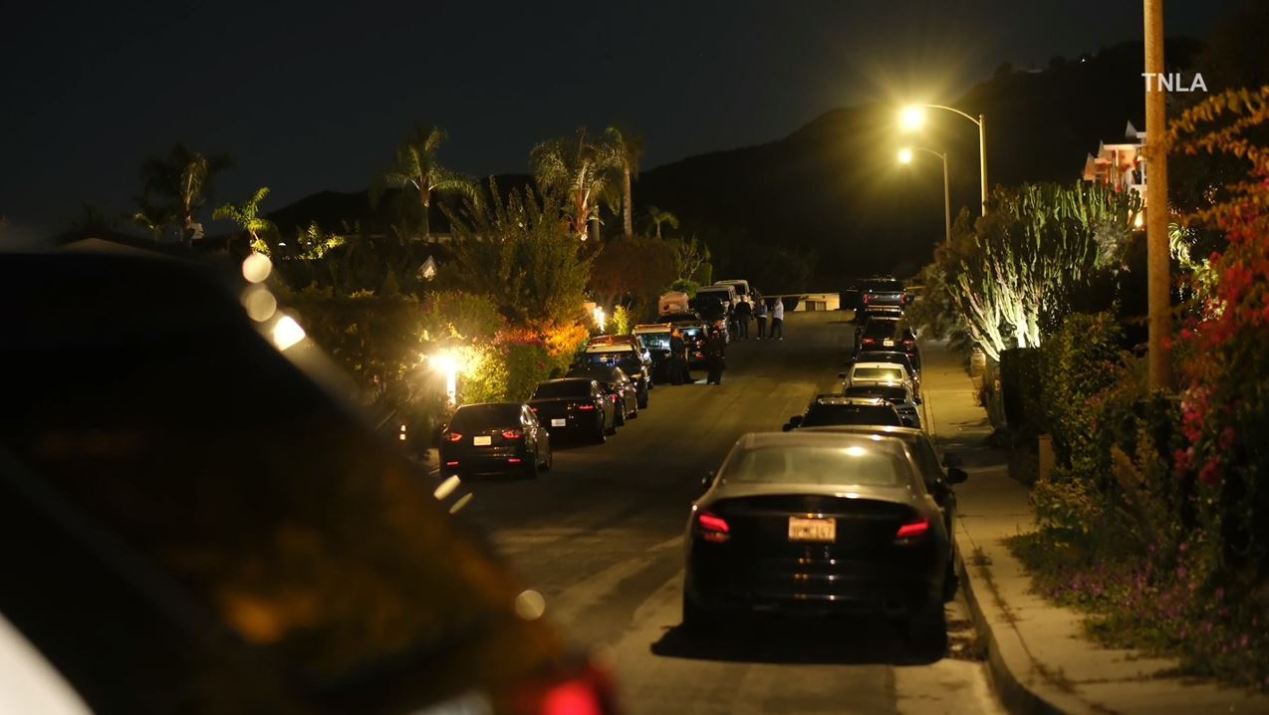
(881, 328)
(885, 393)
(829, 415)
(563, 388)
(657, 341)
(878, 373)
(481, 416)
(857, 463)
(885, 286)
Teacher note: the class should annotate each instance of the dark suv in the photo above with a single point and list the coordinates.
(881, 296)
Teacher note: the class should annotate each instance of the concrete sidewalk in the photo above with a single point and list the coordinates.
(1039, 657)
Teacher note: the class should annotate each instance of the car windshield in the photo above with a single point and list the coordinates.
(625, 359)
(857, 463)
(482, 416)
(878, 373)
(657, 341)
(562, 388)
(829, 415)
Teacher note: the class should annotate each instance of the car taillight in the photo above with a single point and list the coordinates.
(867, 298)
(713, 528)
(912, 530)
(909, 343)
(512, 434)
(453, 437)
(589, 694)
(870, 341)
(586, 407)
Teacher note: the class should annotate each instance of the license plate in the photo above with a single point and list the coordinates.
(812, 529)
(888, 342)
(558, 422)
(482, 440)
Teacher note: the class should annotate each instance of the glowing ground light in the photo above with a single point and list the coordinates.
(447, 364)
(286, 332)
(600, 318)
(256, 267)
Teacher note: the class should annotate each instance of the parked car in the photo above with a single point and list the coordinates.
(656, 337)
(188, 505)
(887, 334)
(896, 393)
(715, 313)
(494, 438)
(723, 293)
(695, 332)
(632, 359)
(818, 522)
(619, 388)
(744, 292)
(882, 295)
(826, 410)
(872, 372)
(940, 475)
(910, 362)
(574, 406)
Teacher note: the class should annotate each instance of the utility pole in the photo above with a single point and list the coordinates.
(982, 159)
(1158, 270)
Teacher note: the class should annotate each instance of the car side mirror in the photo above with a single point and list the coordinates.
(956, 475)
(952, 461)
(908, 421)
(795, 421)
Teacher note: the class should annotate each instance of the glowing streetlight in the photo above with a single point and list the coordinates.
(447, 364)
(600, 318)
(912, 118)
(906, 155)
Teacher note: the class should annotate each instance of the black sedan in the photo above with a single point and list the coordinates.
(818, 523)
(620, 388)
(828, 410)
(495, 438)
(575, 406)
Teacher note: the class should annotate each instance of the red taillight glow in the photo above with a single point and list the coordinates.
(512, 434)
(452, 463)
(870, 341)
(867, 298)
(913, 530)
(575, 697)
(514, 460)
(586, 408)
(453, 437)
(714, 528)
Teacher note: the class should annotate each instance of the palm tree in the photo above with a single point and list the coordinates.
(580, 170)
(248, 218)
(416, 167)
(629, 150)
(657, 217)
(175, 187)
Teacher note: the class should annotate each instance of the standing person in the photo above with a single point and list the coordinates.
(715, 354)
(777, 320)
(761, 315)
(678, 357)
(743, 312)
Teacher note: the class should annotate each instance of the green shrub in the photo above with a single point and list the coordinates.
(1076, 363)
(527, 364)
(1020, 387)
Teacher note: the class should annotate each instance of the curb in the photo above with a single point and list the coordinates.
(1017, 698)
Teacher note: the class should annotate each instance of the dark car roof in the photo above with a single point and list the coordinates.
(177, 467)
(727, 489)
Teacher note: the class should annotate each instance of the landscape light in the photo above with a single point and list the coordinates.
(447, 364)
(600, 318)
(911, 118)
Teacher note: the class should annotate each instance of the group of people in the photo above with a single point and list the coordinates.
(743, 312)
(714, 349)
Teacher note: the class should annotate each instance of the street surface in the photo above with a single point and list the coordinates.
(600, 536)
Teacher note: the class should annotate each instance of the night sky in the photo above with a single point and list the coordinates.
(316, 95)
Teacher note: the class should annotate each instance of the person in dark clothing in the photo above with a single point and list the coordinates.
(761, 314)
(743, 312)
(715, 353)
(678, 358)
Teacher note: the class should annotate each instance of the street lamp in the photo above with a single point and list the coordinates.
(912, 118)
(906, 155)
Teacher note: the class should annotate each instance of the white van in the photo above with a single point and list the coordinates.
(743, 292)
(724, 293)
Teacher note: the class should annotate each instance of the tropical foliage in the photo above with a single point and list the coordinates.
(174, 189)
(247, 217)
(582, 171)
(417, 169)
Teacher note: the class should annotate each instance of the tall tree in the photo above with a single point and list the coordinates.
(417, 168)
(248, 218)
(656, 217)
(174, 189)
(628, 147)
(580, 170)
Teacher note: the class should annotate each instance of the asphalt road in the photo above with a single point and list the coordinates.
(600, 536)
